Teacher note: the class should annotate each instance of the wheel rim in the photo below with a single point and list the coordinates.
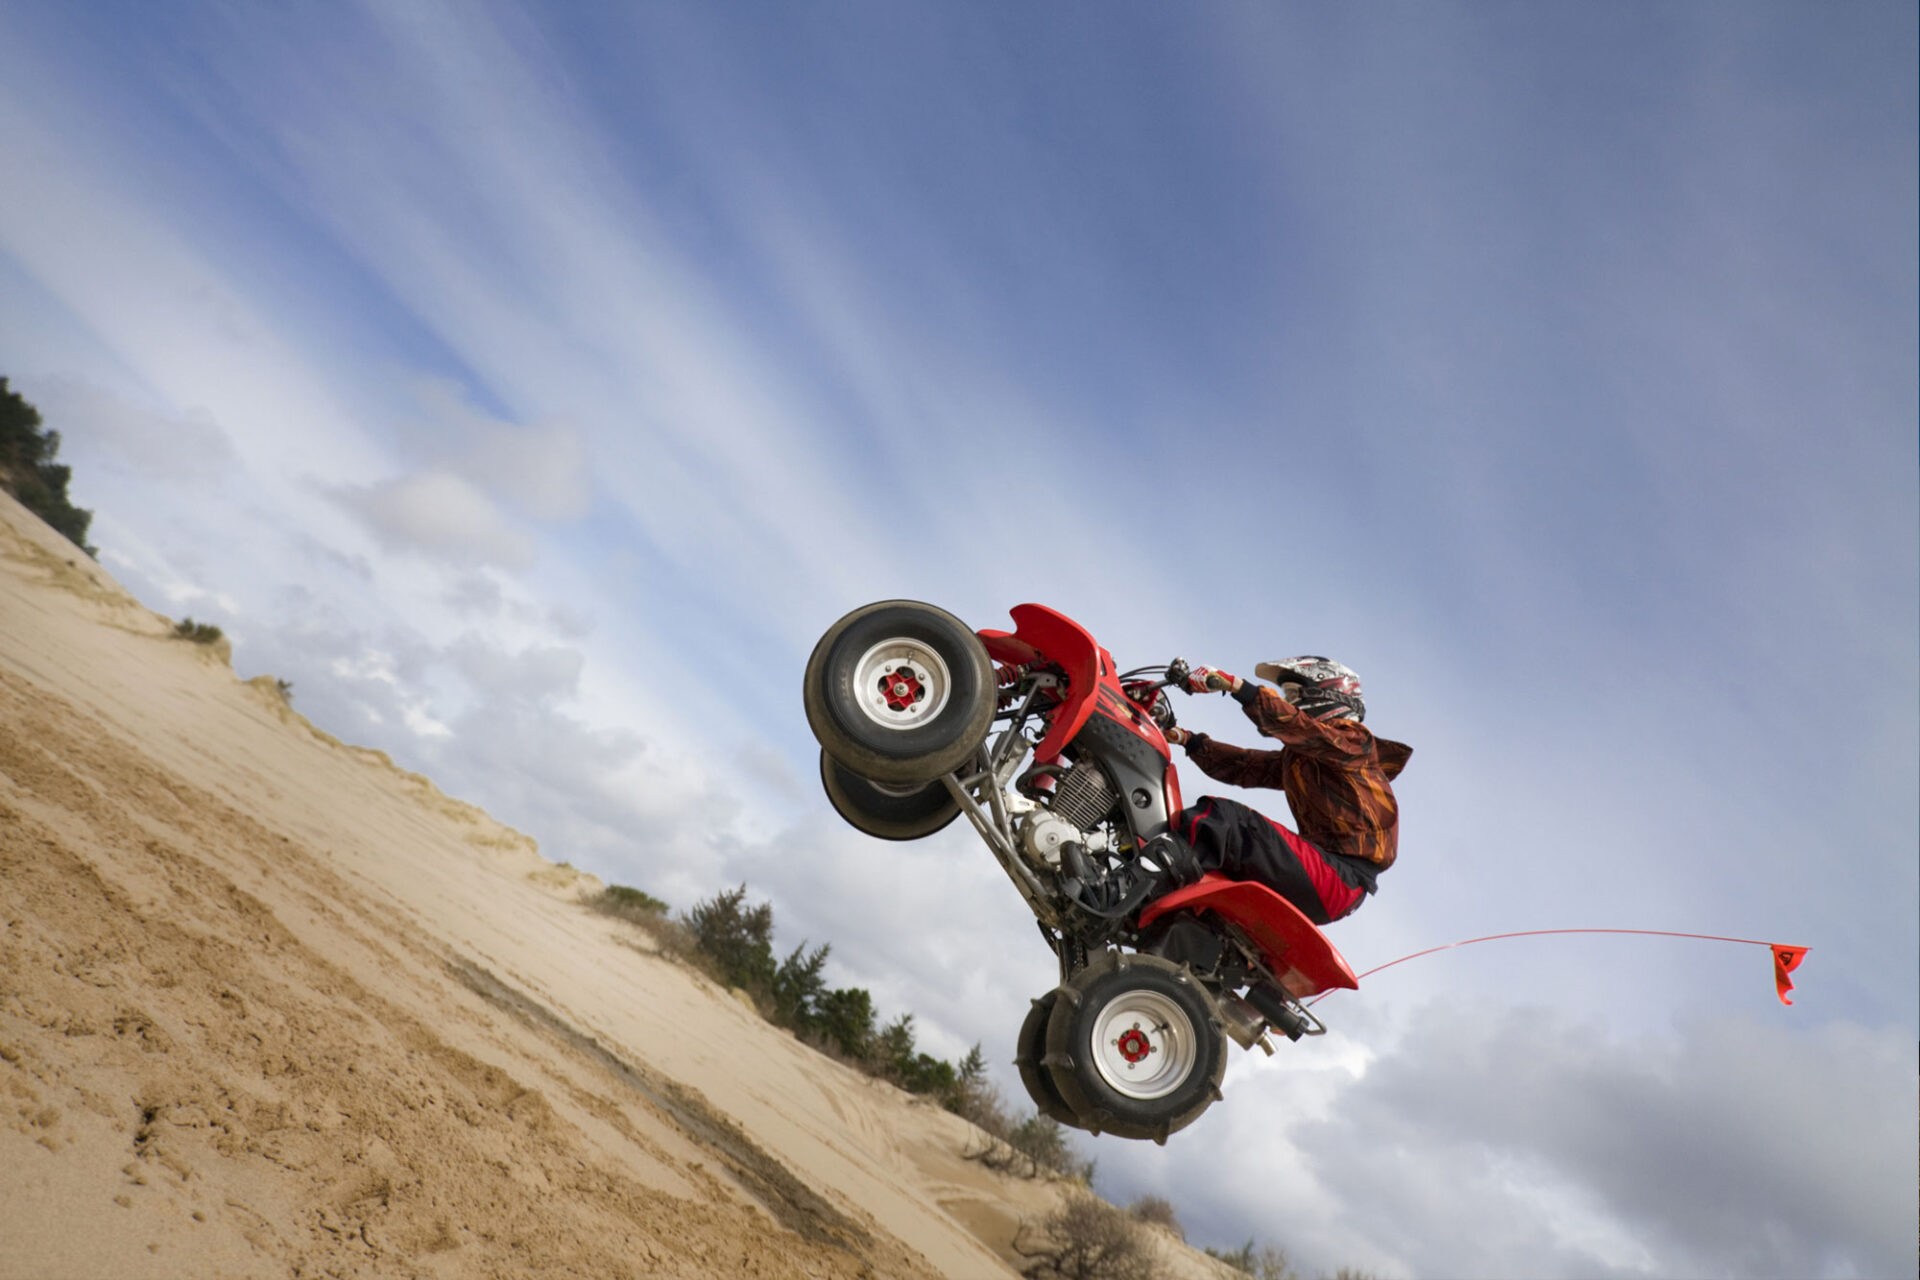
(1144, 1045)
(901, 684)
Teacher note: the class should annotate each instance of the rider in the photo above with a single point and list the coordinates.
(1337, 776)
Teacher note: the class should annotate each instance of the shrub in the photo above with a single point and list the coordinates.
(1043, 1140)
(1265, 1263)
(1157, 1210)
(627, 903)
(198, 632)
(673, 938)
(1087, 1239)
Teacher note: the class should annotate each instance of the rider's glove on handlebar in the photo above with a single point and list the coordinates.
(1208, 680)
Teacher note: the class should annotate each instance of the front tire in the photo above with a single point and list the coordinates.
(900, 692)
(883, 809)
(1134, 1047)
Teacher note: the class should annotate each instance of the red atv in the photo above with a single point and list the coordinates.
(1062, 765)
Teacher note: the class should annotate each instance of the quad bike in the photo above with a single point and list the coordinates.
(1061, 763)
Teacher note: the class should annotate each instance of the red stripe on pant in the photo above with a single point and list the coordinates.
(1336, 894)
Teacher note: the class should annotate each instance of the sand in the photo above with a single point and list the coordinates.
(271, 1006)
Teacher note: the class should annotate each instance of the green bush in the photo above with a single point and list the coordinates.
(620, 900)
(199, 633)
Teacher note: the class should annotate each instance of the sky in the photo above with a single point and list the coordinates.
(532, 385)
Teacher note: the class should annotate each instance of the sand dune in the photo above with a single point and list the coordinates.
(271, 1006)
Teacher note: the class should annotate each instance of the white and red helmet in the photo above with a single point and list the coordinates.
(1328, 689)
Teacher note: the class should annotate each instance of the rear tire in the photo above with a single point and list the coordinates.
(1029, 1053)
(1134, 1046)
(883, 809)
(900, 692)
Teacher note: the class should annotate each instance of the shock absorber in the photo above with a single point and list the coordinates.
(1006, 675)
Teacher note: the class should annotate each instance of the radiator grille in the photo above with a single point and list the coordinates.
(1084, 796)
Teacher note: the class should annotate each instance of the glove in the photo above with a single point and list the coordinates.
(1208, 680)
(1179, 737)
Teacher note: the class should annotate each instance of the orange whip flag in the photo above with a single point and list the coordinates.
(1785, 959)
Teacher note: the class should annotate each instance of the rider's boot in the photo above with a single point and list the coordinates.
(1176, 858)
(1165, 863)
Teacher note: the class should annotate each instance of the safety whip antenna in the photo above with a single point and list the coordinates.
(1785, 958)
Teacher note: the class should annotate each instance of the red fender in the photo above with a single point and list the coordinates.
(1046, 634)
(1297, 952)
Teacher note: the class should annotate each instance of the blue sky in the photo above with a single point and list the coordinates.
(531, 385)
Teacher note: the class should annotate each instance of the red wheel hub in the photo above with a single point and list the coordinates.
(1133, 1045)
(901, 688)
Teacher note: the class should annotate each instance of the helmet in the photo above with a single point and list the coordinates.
(1328, 690)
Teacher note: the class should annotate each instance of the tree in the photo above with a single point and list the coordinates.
(844, 1020)
(736, 939)
(895, 1057)
(798, 986)
(22, 443)
(974, 1097)
(28, 470)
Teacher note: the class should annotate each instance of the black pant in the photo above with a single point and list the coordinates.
(1243, 844)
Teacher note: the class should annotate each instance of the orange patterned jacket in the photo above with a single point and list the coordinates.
(1337, 775)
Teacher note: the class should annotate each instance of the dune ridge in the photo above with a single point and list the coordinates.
(271, 1005)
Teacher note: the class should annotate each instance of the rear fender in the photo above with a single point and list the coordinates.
(1298, 953)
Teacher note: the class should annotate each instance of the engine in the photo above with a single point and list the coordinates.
(1081, 800)
(1084, 796)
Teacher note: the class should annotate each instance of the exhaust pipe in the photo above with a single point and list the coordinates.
(1274, 1007)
